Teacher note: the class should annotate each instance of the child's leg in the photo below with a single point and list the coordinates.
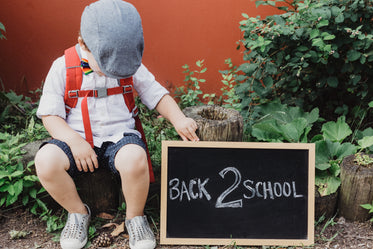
(132, 165)
(51, 164)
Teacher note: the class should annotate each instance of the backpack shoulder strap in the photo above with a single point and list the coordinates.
(74, 76)
(131, 105)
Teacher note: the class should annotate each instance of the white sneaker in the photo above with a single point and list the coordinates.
(140, 234)
(75, 233)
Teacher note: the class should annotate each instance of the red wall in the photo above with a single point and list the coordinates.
(176, 33)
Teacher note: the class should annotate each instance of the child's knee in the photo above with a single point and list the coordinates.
(132, 160)
(49, 160)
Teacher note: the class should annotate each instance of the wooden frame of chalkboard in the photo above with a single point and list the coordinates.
(242, 193)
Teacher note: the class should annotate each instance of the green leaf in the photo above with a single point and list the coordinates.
(294, 130)
(332, 81)
(30, 163)
(33, 209)
(41, 190)
(11, 189)
(327, 151)
(2, 200)
(3, 174)
(367, 132)
(318, 42)
(25, 200)
(33, 193)
(323, 23)
(314, 33)
(270, 68)
(11, 199)
(335, 10)
(340, 18)
(267, 131)
(329, 37)
(245, 15)
(353, 55)
(32, 178)
(2, 27)
(335, 169)
(4, 188)
(336, 131)
(327, 185)
(16, 174)
(344, 150)
(248, 68)
(322, 154)
(42, 205)
(279, 20)
(365, 142)
(313, 116)
(367, 206)
(302, 48)
(322, 166)
(268, 82)
(18, 187)
(258, 3)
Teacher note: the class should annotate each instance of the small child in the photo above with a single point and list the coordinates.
(111, 40)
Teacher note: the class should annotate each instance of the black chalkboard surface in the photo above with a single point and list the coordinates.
(217, 193)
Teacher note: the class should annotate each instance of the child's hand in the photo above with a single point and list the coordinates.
(85, 157)
(186, 128)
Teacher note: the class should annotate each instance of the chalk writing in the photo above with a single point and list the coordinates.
(177, 191)
(237, 181)
(197, 189)
(271, 190)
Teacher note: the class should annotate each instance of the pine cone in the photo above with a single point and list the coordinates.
(103, 240)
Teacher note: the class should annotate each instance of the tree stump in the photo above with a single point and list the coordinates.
(325, 205)
(356, 189)
(100, 190)
(216, 123)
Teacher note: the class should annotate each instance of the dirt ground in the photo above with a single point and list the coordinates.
(336, 234)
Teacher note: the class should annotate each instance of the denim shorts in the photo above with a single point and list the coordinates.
(105, 154)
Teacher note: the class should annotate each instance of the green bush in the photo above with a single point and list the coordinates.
(17, 112)
(189, 95)
(282, 123)
(319, 53)
(17, 181)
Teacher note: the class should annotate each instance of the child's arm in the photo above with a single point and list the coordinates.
(185, 127)
(85, 157)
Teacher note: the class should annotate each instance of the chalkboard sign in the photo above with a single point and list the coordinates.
(218, 193)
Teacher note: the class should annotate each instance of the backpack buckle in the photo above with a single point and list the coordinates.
(73, 94)
(135, 111)
(100, 92)
(127, 89)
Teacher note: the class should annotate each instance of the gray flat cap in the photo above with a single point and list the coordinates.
(112, 31)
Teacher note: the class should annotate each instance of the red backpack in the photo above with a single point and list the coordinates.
(74, 77)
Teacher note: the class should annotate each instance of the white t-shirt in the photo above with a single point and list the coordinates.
(109, 116)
